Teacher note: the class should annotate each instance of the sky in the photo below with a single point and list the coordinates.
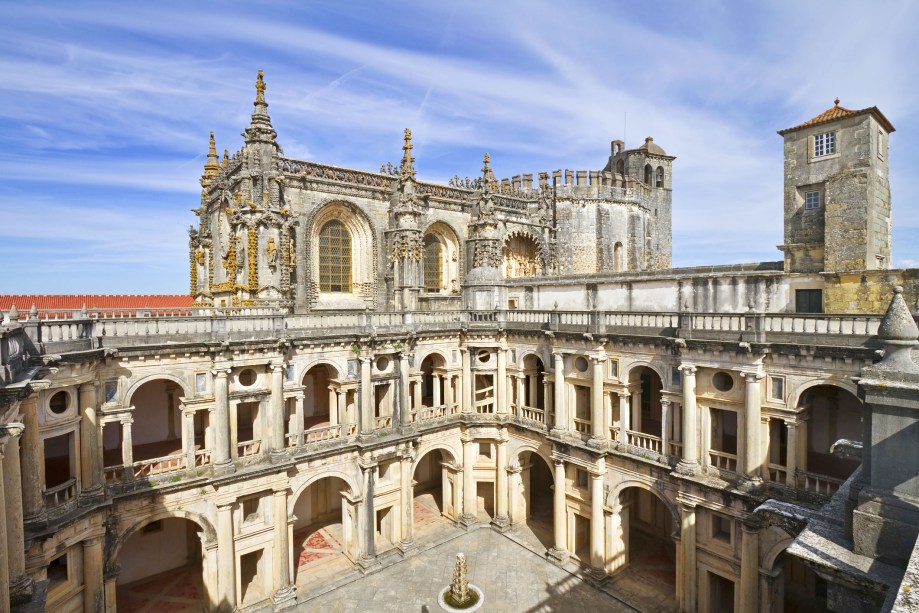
(105, 110)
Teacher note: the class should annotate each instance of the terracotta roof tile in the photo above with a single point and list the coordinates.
(838, 112)
(124, 303)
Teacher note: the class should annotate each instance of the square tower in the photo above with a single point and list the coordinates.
(837, 194)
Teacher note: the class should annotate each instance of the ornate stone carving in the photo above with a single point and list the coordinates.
(271, 251)
(253, 259)
(406, 245)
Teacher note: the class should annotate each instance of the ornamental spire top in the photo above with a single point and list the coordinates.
(407, 168)
(260, 89)
(488, 175)
(212, 166)
(260, 129)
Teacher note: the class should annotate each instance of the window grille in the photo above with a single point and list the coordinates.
(824, 144)
(433, 264)
(334, 258)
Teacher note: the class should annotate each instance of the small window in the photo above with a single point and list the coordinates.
(581, 364)
(721, 528)
(824, 144)
(57, 572)
(382, 363)
(722, 381)
(59, 403)
(289, 372)
(777, 388)
(658, 180)
(200, 383)
(484, 356)
(809, 300)
(251, 508)
(811, 200)
(880, 144)
(485, 450)
(648, 174)
(676, 377)
(582, 478)
(613, 369)
(247, 377)
(111, 391)
(512, 304)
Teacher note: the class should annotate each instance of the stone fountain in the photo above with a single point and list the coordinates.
(461, 595)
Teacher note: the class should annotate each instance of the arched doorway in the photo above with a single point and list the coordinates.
(433, 381)
(532, 405)
(640, 546)
(156, 432)
(154, 577)
(320, 397)
(433, 492)
(324, 531)
(833, 414)
(646, 418)
(535, 493)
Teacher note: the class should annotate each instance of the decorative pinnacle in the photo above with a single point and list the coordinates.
(486, 160)
(211, 167)
(408, 170)
(836, 102)
(260, 88)
(226, 157)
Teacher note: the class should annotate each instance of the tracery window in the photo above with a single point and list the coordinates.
(433, 264)
(334, 258)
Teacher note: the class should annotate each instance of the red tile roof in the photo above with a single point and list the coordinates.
(837, 112)
(124, 304)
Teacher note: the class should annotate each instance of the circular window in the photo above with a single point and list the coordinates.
(722, 381)
(580, 363)
(484, 356)
(247, 377)
(59, 403)
(382, 363)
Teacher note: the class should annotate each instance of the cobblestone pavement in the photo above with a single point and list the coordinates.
(514, 580)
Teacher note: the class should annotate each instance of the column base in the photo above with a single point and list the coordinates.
(36, 521)
(687, 468)
(467, 520)
(284, 598)
(276, 456)
(750, 482)
(559, 556)
(596, 575)
(597, 442)
(557, 432)
(406, 429)
(21, 589)
(91, 496)
(368, 564)
(366, 437)
(501, 522)
(407, 547)
(224, 467)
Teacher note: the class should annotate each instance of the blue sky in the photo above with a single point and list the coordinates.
(105, 110)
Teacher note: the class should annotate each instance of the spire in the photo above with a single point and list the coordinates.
(488, 176)
(260, 129)
(226, 158)
(211, 167)
(407, 169)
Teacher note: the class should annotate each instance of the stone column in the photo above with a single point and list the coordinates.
(548, 404)
(367, 421)
(690, 461)
(408, 503)
(765, 446)
(283, 589)
(677, 413)
(636, 409)
(521, 398)
(467, 382)
(405, 401)
(367, 531)
(559, 550)
(33, 503)
(448, 394)
(90, 460)
(20, 582)
(665, 427)
(753, 451)
(436, 395)
(226, 559)
(618, 538)
(749, 568)
(221, 456)
(276, 413)
(597, 566)
(93, 584)
(296, 426)
(598, 429)
(624, 419)
(501, 383)
(561, 412)
(341, 409)
(501, 519)
(4, 559)
(687, 574)
(469, 493)
(188, 436)
(127, 447)
(791, 453)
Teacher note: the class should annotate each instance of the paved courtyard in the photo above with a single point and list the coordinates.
(514, 579)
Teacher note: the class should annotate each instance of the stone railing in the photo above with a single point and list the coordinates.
(722, 460)
(60, 494)
(645, 441)
(158, 466)
(820, 484)
(581, 426)
(532, 414)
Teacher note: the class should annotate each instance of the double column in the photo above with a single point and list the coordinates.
(597, 541)
(367, 421)
(405, 399)
(625, 417)
(687, 573)
(690, 459)
(467, 381)
(33, 503)
(408, 502)
(367, 527)
(561, 406)
(749, 567)
(501, 402)
(226, 558)
(222, 457)
(469, 493)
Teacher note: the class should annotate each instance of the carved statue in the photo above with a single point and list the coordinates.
(271, 250)
(292, 255)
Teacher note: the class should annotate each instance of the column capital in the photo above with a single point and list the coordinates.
(752, 376)
(688, 370)
(221, 373)
(13, 429)
(277, 365)
(597, 359)
(366, 359)
(280, 490)
(666, 402)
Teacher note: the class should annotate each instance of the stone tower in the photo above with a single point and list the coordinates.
(837, 194)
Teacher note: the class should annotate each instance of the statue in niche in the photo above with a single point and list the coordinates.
(271, 250)
(293, 253)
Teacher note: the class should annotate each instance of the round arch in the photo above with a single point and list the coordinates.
(534, 352)
(153, 377)
(795, 397)
(634, 367)
(209, 533)
(615, 492)
(772, 555)
(308, 366)
(520, 259)
(450, 255)
(429, 353)
(535, 449)
(296, 492)
(362, 232)
(425, 449)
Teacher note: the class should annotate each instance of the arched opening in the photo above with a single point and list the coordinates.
(156, 433)
(334, 258)
(533, 507)
(649, 173)
(154, 577)
(324, 531)
(433, 387)
(832, 414)
(533, 402)
(659, 177)
(433, 491)
(618, 262)
(433, 264)
(620, 167)
(646, 418)
(803, 590)
(640, 546)
(521, 257)
(320, 397)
